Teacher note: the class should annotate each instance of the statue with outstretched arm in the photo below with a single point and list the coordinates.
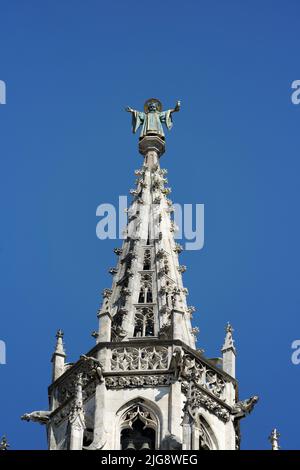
(152, 118)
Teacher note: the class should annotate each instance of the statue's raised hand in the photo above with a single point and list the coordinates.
(128, 109)
(177, 106)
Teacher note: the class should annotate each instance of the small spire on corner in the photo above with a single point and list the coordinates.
(274, 439)
(4, 445)
(58, 357)
(229, 342)
(59, 348)
(229, 352)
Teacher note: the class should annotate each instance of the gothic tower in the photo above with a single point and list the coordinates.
(145, 385)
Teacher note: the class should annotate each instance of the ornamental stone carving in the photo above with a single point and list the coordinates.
(191, 369)
(191, 309)
(90, 368)
(138, 412)
(178, 248)
(139, 172)
(134, 192)
(125, 291)
(113, 271)
(135, 381)
(197, 399)
(182, 268)
(166, 191)
(106, 294)
(147, 358)
(41, 417)
(244, 407)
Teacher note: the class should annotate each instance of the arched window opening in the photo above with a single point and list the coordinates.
(138, 430)
(207, 440)
(144, 322)
(88, 437)
(202, 444)
(146, 289)
(147, 260)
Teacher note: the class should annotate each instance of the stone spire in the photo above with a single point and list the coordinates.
(229, 352)
(58, 357)
(274, 439)
(4, 445)
(148, 297)
(132, 389)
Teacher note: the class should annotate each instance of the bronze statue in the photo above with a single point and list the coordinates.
(152, 118)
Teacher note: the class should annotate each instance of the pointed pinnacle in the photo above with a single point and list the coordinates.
(4, 445)
(59, 348)
(229, 342)
(59, 334)
(274, 439)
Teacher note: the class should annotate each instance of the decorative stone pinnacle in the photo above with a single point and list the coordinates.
(4, 445)
(59, 334)
(229, 342)
(113, 271)
(178, 248)
(182, 268)
(195, 331)
(79, 379)
(59, 348)
(77, 413)
(106, 293)
(191, 309)
(274, 439)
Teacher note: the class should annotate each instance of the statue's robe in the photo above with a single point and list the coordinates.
(151, 122)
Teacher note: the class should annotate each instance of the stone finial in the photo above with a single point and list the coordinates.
(274, 439)
(59, 333)
(59, 348)
(58, 357)
(229, 352)
(229, 342)
(4, 445)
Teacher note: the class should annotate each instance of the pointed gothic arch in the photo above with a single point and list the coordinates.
(206, 437)
(138, 426)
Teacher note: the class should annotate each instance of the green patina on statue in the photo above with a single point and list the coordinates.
(152, 118)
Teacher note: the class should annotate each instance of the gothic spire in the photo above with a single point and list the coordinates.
(229, 342)
(4, 445)
(274, 439)
(229, 351)
(148, 297)
(59, 349)
(58, 357)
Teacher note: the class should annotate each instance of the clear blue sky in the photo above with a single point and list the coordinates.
(66, 147)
